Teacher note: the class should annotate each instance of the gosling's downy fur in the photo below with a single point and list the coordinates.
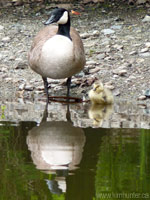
(99, 113)
(100, 95)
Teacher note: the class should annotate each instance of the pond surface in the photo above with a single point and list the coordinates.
(56, 161)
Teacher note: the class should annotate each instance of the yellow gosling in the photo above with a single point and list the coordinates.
(100, 95)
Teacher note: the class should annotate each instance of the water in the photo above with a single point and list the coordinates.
(56, 161)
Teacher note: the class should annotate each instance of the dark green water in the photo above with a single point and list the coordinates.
(56, 161)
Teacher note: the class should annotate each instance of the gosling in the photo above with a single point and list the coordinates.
(100, 95)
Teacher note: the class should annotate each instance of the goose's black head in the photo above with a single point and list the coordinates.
(60, 16)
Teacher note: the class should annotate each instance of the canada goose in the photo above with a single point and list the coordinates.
(100, 95)
(57, 52)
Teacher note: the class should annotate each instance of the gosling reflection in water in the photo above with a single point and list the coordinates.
(99, 113)
(56, 146)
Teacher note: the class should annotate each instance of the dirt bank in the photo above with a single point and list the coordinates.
(117, 46)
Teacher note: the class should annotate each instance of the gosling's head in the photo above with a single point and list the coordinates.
(98, 87)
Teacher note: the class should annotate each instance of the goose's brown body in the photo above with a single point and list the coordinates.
(56, 56)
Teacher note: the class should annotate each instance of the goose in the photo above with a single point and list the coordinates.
(57, 51)
(100, 95)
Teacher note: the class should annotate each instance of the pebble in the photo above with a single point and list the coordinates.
(110, 87)
(29, 87)
(146, 54)
(1, 56)
(147, 93)
(85, 35)
(116, 27)
(146, 18)
(21, 65)
(147, 44)
(120, 72)
(95, 70)
(1, 27)
(108, 31)
(96, 33)
(144, 50)
(21, 87)
(142, 97)
(118, 47)
(40, 87)
(6, 39)
(101, 56)
(133, 53)
(116, 92)
(91, 62)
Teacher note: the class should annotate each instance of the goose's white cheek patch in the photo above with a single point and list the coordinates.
(64, 18)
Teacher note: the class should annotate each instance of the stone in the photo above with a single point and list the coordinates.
(95, 70)
(6, 39)
(147, 44)
(116, 27)
(29, 87)
(120, 72)
(21, 65)
(96, 33)
(91, 62)
(21, 87)
(144, 50)
(142, 97)
(84, 35)
(133, 53)
(108, 31)
(146, 54)
(147, 93)
(146, 18)
(1, 27)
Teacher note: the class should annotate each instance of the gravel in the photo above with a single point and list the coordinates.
(117, 47)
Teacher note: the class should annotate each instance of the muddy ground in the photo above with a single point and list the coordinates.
(117, 46)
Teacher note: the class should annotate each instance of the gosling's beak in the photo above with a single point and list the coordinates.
(75, 12)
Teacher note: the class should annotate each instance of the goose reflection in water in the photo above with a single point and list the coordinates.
(100, 113)
(56, 147)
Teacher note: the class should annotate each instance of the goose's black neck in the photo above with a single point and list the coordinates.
(64, 29)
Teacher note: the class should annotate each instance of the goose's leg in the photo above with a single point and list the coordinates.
(68, 86)
(45, 87)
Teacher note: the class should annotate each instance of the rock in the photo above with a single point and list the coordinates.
(110, 87)
(95, 70)
(21, 87)
(116, 92)
(147, 44)
(96, 33)
(142, 97)
(84, 35)
(144, 50)
(133, 53)
(140, 1)
(1, 27)
(6, 39)
(146, 54)
(108, 31)
(1, 56)
(120, 72)
(101, 56)
(22, 65)
(29, 87)
(146, 18)
(118, 47)
(116, 27)
(147, 93)
(40, 87)
(91, 62)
